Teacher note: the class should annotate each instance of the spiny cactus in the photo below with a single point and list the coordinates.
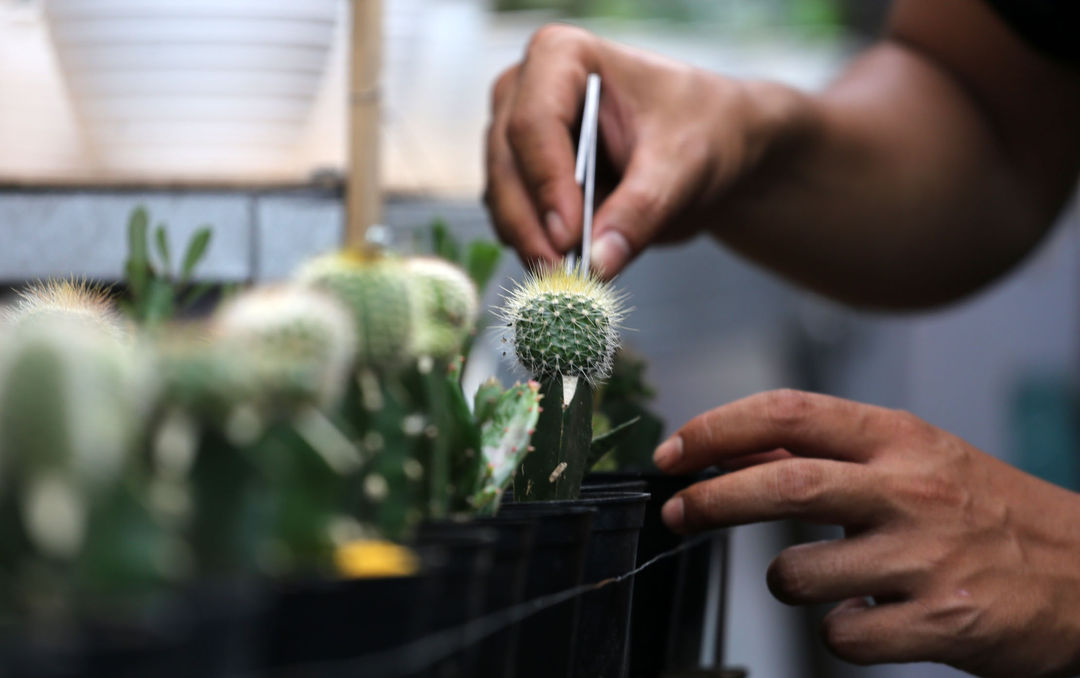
(507, 419)
(300, 341)
(445, 306)
(72, 401)
(375, 288)
(564, 323)
(76, 299)
(564, 328)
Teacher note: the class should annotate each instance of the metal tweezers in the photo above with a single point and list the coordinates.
(585, 170)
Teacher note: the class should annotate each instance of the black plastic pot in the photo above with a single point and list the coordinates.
(125, 647)
(466, 552)
(505, 588)
(223, 637)
(547, 638)
(600, 485)
(604, 628)
(324, 621)
(678, 607)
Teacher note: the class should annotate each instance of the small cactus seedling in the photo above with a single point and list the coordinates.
(376, 289)
(564, 327)
(445, 306)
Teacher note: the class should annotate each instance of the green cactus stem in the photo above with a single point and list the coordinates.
(561, 441)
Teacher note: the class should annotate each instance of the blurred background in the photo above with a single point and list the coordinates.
(233, 113)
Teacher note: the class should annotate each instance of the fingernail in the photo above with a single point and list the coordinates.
(610, 252)
(556, 228)
(672, 513)
(669, 453)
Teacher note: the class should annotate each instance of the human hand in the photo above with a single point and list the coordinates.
(967, 561)
(675, 135)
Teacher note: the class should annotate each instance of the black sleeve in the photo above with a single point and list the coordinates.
(1049, 26)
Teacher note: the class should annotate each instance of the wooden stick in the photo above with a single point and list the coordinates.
(362, 199)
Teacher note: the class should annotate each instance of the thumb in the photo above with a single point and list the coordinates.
(632, 216)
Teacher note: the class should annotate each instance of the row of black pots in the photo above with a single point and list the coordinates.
(476, 610)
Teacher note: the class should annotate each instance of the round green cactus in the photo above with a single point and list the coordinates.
(445, 306)
(564, 323)
(376, 290)
(300, 341)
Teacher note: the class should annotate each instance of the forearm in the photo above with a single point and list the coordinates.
(900, 185)
(894, 192)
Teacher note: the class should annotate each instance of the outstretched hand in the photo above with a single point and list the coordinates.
(949, 555)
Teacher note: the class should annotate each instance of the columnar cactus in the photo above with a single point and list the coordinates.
(564, 323)
(445, 306)
(375, 288)
(72, 401)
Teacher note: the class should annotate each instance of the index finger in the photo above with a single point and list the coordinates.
(545, 110)
(805, 424)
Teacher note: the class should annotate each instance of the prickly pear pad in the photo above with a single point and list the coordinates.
(564, 323)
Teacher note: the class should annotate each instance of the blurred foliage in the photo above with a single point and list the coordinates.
(156, 290)
(736, 12)
(626, 397)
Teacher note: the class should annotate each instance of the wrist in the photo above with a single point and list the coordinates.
(782, 120)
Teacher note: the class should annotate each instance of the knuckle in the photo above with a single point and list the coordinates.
(519, 126)
(786, 407)
(785, 579)
(554, 37)
(903, 425)
(842, 639)
(645, 200)
(502, 86)
(798, 484)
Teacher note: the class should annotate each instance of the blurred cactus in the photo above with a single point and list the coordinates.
(73, 401)
(375, 288)
(444, 304)
(75, 299)
(300, 342)
(156, 293)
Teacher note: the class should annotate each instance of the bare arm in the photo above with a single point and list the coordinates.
(931, 166)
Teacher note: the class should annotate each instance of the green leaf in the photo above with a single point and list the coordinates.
(195, 252)
(443, 242)
(601, 445)
(161, 239)
(137, 266)
(159, 304)
(481, 260)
